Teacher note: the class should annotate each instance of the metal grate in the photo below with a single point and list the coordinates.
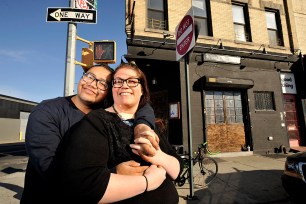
(264, 100)
(156, 24)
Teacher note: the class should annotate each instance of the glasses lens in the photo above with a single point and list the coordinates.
(102, 85)
(117, 83)
(132, 82)
(88, 77)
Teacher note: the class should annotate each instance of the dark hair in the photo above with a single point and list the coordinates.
(102, 65)
(145, 98)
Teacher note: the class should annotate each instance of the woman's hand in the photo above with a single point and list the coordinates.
(144, 131)
(160, 158)
(130, 168)
(141, 144)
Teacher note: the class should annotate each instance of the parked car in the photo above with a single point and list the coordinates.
(293, 179)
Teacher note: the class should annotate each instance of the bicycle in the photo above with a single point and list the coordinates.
(203, 173)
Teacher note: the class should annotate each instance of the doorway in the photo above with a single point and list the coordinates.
(291, 120)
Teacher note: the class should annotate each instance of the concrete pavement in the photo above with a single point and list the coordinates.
(241, 179)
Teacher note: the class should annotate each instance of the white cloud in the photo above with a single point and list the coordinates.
(19, 56)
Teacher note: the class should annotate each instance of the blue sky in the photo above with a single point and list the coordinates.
(33, 51)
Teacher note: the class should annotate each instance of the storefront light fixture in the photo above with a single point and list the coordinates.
(263, 49)
(221, 44)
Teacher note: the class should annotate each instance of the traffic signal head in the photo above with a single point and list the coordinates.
(104, 51)
(87, 58)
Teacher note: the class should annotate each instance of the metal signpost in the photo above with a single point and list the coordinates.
(185, 41)
(80, 11)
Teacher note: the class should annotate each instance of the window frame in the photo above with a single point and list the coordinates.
(209, 30)
(261, 103)
(278, 31)
(247, 26)
(224, 108)
(164, 13)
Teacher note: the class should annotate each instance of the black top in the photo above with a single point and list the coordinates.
(47, 125)
(93, 146)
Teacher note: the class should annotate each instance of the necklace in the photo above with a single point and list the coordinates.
(120, 116)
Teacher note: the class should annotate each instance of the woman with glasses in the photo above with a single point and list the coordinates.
(104, 138)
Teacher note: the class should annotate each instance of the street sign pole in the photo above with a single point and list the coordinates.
(70, 56)
(185, 41)
(191, 196)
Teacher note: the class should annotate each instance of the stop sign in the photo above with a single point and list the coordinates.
(185, 39)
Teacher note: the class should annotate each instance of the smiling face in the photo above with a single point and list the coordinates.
(126, 97)
(88, 92)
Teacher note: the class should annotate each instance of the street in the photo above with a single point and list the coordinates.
(241, 179)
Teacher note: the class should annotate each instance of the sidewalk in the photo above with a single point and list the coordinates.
(244, 179)
(240, 180)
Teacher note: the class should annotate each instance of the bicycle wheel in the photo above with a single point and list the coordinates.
(205, 172)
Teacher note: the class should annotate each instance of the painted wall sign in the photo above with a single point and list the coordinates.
(288, 83)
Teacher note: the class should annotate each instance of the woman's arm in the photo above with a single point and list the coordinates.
(130, 186)
(145, 115)
(145, 121)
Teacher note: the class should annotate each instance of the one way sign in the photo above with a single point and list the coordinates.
(71, 15)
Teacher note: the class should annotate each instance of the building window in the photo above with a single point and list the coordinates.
(274, 28)
(264, 100)
(157, 18)
(201, 15)
(241, 22)
(223, 107)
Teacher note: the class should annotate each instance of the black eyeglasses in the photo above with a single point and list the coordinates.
(89, 78)
(131, 82)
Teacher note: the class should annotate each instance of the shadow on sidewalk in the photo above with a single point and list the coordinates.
(17, 189)
(255, 186)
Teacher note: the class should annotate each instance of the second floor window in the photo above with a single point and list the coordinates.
(201, 14)
(274, 29)
(156, 15)
(241, 25)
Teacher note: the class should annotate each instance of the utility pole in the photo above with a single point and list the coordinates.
(70, 56)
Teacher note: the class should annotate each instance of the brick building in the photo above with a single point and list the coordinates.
(245, 74)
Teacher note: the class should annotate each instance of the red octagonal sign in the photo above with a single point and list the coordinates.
(184, 36)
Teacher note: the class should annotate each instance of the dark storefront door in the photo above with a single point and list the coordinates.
(160, 105)
(291, 120)
(224, 121)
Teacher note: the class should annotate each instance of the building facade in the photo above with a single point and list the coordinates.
(14, 113)
(243, 82)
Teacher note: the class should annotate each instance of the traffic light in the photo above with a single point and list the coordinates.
(104, 51)
(87, 58)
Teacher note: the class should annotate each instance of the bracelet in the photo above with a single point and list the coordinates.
(146, 183)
